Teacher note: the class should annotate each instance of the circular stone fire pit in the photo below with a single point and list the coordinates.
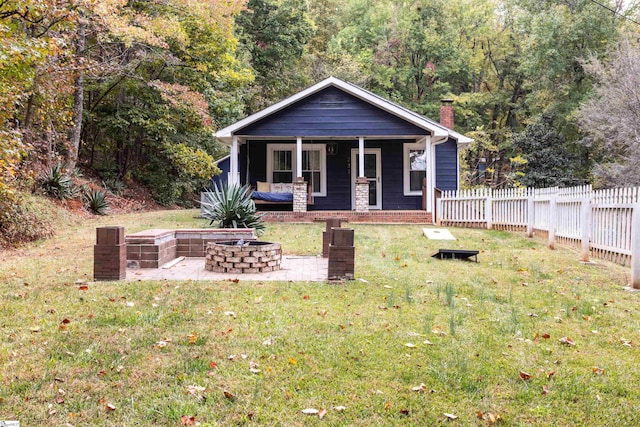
(250, 257)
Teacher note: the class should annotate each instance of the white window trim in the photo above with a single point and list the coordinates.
(322, 148)
(407, 147)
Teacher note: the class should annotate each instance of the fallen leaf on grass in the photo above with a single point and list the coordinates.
(212, 364)
(163, 343)
(489, 416)
(188, 420)
(310, 411)
(83, 287)
(546, 336)
(420, 388)
(322, 413)
(545, 390)
(110, 406)
(427, 342)
(268, 341)
(625, 342)
(410, 345)
(597, 371)
(525, 376)
(193, 338)
(292, 361)
(230, 313)
(339, 408)
(197, 391)
(550, 374)
(228, 394)
(451, 416)
(566, 341)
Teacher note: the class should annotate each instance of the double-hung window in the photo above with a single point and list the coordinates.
(415, 168)
(281, 165)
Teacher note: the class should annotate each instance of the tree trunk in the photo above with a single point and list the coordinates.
(78, 99)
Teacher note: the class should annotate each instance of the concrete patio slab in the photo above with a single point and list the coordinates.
(293, 268)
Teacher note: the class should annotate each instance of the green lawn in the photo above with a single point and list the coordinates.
(410, 340)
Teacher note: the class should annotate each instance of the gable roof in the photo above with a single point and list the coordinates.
(436, 129)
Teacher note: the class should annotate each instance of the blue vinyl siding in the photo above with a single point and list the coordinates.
(447, 165)
(331, 112)
(225, 167)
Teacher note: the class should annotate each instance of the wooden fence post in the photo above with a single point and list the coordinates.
(585, 227)
(531, 215)
(635, 247)
(552, 221)
(488, 210)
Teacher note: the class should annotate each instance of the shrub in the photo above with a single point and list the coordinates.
(230, 206)
(114, 186)
(96, 201)
(55, 182)
(24, 219)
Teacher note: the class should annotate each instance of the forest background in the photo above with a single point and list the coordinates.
(132, 92)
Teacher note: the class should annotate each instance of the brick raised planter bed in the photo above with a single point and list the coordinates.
(251, 257)
(154, 248)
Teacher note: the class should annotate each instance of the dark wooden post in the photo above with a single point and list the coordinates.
(110, 254)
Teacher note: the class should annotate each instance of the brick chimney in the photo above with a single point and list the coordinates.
(446, 113)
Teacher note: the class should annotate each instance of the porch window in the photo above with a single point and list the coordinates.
(311, 170)
(281, 165)
(415, 168)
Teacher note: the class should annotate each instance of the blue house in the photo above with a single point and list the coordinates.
(347, 148)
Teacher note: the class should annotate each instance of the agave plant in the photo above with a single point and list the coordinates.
(96, 201)
(231, 206)
(55, 182)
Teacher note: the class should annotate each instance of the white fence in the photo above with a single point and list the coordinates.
(605, 223)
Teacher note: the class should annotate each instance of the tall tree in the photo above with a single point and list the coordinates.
(274, 33)
(611, 117)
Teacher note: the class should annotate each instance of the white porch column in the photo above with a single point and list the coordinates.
(361, 156)
(233, 160)
(430, 174)
(298, 157)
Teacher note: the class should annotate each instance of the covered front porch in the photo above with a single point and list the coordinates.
(350, 150)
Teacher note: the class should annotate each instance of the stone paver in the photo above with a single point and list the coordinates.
(292, 268)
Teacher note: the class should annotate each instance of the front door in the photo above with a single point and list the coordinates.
(373, 173)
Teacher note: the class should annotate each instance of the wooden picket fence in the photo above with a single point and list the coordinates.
(604, 224)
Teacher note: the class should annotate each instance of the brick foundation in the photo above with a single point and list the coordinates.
(372, 217)
(299, 195)
(362, 195)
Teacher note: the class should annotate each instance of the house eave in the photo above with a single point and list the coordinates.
(436, 130)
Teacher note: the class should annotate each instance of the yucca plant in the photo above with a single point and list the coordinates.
(231, 206)
(96, 201)
(55, 182)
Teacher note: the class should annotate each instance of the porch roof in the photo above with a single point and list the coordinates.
(439, 133)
